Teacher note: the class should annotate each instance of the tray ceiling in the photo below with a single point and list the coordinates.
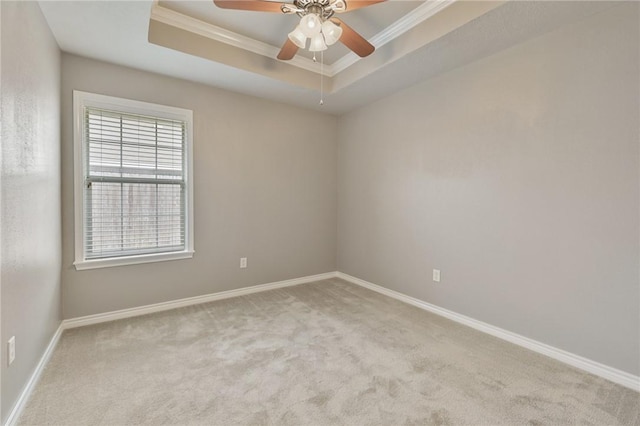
(272, 28)
(414, 40)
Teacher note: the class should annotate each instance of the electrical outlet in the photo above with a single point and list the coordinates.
(243, 262)
(436, 275)
(11, 349)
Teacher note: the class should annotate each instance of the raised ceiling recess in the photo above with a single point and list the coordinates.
(232, 32)
(236, 50)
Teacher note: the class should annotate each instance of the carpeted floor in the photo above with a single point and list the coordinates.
(315, 354)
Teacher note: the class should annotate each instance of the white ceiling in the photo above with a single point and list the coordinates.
(117, 32)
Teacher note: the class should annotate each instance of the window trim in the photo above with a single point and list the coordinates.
(82, 100)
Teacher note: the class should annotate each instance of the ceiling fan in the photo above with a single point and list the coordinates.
(317, 23)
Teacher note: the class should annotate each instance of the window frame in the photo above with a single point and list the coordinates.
(82, 100)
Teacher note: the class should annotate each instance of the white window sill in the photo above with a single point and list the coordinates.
(132, 260)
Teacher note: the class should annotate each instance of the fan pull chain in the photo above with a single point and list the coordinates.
(322, 78)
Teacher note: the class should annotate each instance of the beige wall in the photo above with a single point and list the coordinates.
(518, 177)
(265, 189)
(30, 186)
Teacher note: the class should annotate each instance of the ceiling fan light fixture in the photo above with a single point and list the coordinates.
(317, 44)
(331, 31)
(313, 24)
(298, 38)
(310, 25)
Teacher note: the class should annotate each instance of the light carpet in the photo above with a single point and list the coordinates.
(315, 354)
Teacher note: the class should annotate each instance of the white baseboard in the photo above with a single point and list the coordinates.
(165, 306)
(142, 310)
(617, 376)
(14, 415)
(604, 371)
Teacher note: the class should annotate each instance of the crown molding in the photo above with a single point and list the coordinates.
(401, 26)
(214, 32)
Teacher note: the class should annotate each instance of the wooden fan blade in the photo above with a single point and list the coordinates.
(288, 51)
(353, 40)
(358, 4)
(254, 5)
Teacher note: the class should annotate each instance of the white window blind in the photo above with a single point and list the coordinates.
(134, 184)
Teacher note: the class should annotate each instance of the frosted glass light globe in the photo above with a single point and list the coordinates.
(298, 38)
(317, 44)
(310, 25)
(331, 31)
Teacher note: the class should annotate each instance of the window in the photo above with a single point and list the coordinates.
(133, 191)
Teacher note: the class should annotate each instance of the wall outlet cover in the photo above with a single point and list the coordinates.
(11, 350)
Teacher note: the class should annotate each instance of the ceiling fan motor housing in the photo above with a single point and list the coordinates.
(319, 7)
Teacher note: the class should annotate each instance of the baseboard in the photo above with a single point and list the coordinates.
(14, 415)
(593, 367)
(617, 376)
(165, 306)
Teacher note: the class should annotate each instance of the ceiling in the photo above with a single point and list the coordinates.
(236, 50)
(272, 28)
